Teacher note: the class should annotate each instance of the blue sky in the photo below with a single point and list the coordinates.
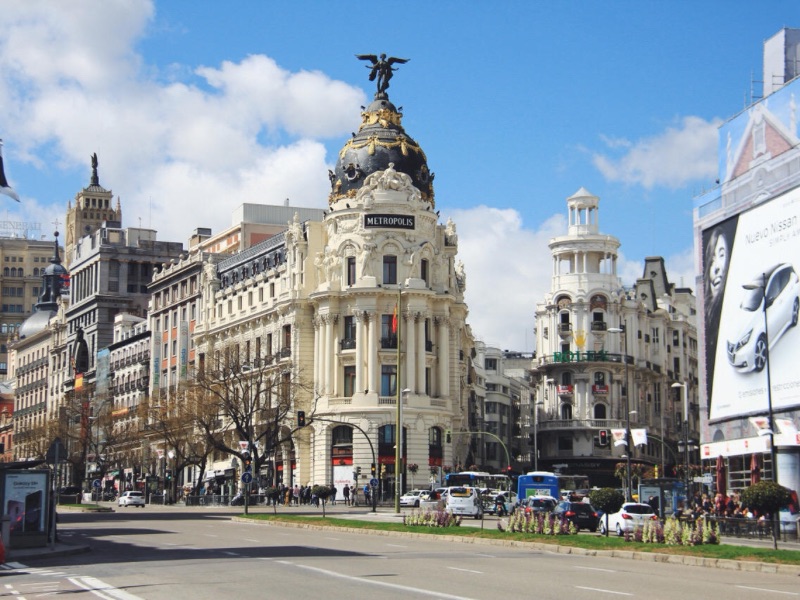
(194, 107)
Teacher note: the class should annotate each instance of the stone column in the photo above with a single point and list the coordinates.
(361, 339)
(372, 351)
(420, 364)
(410, 366)
(444, 357)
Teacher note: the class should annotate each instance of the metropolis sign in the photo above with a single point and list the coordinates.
(389, 221)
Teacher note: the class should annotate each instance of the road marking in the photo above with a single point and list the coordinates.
(396, 546)
(251, 540)
(596, 569)
(232, 553)
(580, 587)
(744, 587)
(383, 584)
(210, 535)
(465, 570)
(486, 555)
(332, 538)
(101, 589)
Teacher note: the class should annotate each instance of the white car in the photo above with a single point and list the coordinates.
(411, 498)
(131, 499)
(466, 501)
(748, 348)
(631, 516)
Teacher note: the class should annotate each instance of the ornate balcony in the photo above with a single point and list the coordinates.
(598, 390)
(565, 330)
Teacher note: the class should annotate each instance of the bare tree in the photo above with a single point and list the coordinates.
(249, 400)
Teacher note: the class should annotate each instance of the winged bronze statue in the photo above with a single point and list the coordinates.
(381, 68)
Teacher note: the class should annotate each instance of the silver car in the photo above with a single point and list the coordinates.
(131, 499)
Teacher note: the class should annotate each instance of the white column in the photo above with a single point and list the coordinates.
(328, 354)
(410, 369)
(420, 359)
(372, 351)
(361, 339)
(444, 358)
(317, 355)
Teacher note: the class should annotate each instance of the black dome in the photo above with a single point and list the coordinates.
(380, 140)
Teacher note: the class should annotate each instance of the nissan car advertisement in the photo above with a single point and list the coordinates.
(752, 300)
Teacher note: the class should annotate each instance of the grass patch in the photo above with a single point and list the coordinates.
(587, 541)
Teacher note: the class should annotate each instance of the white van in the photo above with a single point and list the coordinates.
(466, 501)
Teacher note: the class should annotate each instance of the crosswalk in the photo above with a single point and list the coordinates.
(53, 582)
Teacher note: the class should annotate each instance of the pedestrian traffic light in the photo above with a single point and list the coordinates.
(372, 469)
(301, 418)
(604, 437)
(447, 436)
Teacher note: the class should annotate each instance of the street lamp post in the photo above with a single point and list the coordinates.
(623, 331)
(766, 358)
(685, 435)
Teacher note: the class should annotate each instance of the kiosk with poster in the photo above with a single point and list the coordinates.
(25, 495)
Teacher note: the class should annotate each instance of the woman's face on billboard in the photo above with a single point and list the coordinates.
(718, 266)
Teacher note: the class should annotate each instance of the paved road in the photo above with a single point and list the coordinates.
(174, 553)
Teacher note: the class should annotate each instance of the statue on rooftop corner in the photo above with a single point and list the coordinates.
(381, 68)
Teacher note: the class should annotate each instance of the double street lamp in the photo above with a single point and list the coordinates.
(628, 446)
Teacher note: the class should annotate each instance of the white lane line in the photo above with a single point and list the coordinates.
(596, 569)
(101, 589)
(383, 584)
(744, 587)
(210, 535)
(487, 555)
(251, 540)
(332, 538)
(465, 570)
(232, 553)
(580, 587)
(396, 546)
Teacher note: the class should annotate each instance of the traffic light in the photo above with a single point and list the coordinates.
(301, 418)
(447, 436)
(169, 475)
(373, 470)
(358, 470)
(604, 437)
(247, 461)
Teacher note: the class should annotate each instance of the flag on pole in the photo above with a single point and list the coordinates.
(394, 320)
(4, 187)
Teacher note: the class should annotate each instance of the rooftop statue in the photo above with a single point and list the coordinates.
(381, 68)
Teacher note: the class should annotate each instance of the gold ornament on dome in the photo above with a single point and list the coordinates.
(383, 117)
(404, 143)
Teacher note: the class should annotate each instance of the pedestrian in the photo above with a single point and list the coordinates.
(353, 495)
(366, 495)
(346, 494)
(333, 494)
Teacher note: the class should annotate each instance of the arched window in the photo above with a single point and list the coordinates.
(13, 271)
(6, 272)
(36, 271)
(21, 272)
(566, 412)
(600, 411)
(566, 378)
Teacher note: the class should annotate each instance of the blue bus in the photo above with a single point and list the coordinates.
(545, 483)
(478, 479)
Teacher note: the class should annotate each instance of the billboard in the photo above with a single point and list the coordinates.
(752, 298)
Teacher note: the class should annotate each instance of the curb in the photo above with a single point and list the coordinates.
(692, 561)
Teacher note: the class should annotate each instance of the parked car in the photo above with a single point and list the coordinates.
(631, 516)
(411, 498)
(70, 490)
(580, 514)
(776, 292)
(131, 499)
(462, 500)
(538, 504)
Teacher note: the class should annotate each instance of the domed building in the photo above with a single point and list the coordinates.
(30, 363)
(360, 310)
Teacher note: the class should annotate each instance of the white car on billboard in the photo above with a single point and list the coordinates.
(748, 349)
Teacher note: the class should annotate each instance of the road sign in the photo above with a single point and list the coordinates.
(247, 477)
(96, 483)
(373, 482)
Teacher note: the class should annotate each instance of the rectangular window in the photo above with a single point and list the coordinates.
(491, 364)
(351, 270)
(428, 379)
(261, 294)
(287, 336)
(423, 270)
(349, 381)
(271, 290)
(388, 380)
(350, 328)
(389, 270)
(269, 344)
(174, 347)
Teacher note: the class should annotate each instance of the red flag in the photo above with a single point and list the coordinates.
(394, 320)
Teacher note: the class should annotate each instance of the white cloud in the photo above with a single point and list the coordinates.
(508, 271)
(242, 132)
(679, 155)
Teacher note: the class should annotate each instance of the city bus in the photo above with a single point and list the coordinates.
(478, 479)
(545, 483)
